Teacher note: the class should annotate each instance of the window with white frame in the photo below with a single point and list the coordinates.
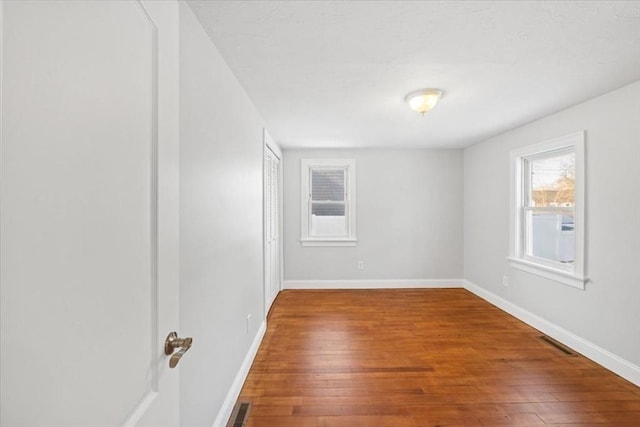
(328, 202)
(547, 209)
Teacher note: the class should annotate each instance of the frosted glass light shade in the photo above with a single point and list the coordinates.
(423, 100)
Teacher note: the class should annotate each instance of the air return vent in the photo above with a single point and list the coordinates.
(239, 415)
(563, 348)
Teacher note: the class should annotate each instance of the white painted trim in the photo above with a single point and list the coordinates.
(614, 363)
(349, 165)
(280, 221)
(373, 284)
(1, 104)
(560, 276)
(329, 242)
(275, 149)
(271, 147)
(270, 143)
(229, 402)
(517, 258)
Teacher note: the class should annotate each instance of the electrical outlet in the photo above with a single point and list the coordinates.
(360, 265)
(505, 281)
(248, 323)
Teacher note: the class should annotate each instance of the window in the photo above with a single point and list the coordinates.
(328, 202)
(547, 210)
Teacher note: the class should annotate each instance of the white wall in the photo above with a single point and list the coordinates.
(220, 223)
(409, 217)
(607, 313)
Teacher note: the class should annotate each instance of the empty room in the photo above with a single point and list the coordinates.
(319, 213)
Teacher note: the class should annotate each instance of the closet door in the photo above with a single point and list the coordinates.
(271, 226)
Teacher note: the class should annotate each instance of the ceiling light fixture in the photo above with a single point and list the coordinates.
(423, 100)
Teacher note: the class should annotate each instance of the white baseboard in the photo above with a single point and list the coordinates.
(614, 363)
(372, 284)
(236, 387)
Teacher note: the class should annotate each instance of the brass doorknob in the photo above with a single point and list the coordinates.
(171, 343)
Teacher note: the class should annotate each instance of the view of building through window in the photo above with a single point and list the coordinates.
(549, 215)
(553, 181)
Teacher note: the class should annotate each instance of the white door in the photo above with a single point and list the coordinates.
(89, 220)
(271, 222)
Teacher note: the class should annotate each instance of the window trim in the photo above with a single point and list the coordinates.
(517, 258)
(349, 165)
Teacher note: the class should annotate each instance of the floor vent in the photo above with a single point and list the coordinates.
(239, 415)
(563, 348)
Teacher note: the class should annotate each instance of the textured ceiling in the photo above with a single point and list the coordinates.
(335, 73)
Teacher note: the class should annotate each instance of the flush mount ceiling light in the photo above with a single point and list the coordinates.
(423, 100)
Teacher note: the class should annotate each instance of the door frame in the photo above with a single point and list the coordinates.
(270, 145)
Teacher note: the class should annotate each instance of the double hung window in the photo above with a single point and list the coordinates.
(547, 233)
(328, 202)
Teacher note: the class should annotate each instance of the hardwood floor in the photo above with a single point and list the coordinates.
(417, 358)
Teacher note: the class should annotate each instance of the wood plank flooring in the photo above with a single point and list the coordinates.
(417, 358)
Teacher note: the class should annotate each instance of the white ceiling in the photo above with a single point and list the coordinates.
(335, 73)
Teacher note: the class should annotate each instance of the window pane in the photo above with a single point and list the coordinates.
(328, 185)
(551, 236)
(552, 181)
(328, 225)
(327, 209)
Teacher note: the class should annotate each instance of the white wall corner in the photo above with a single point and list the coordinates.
(373, 284)
(229, 402)
(614, 363)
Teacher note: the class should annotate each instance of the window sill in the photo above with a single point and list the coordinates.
(328, 242)
(557, 275)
